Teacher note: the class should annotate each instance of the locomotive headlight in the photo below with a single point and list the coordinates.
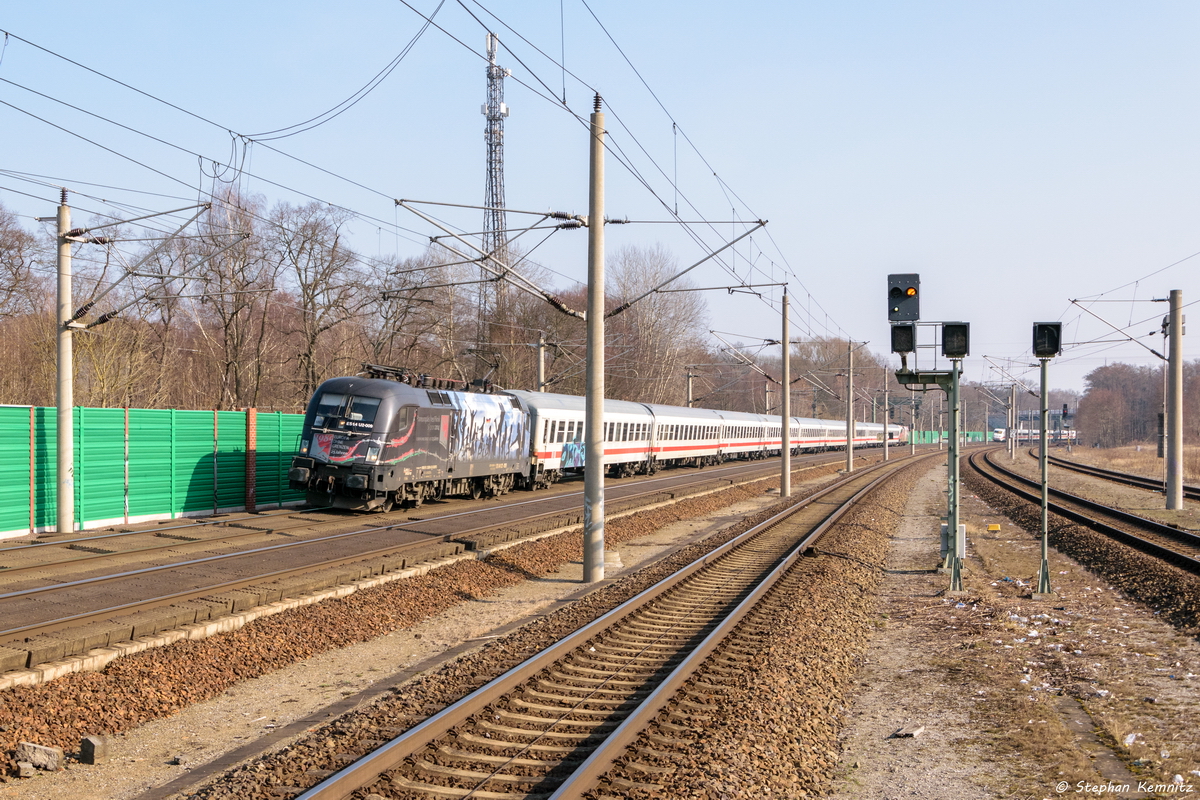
(304, 447)
(372, 454)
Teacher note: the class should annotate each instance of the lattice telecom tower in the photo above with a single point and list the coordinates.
(495, 227)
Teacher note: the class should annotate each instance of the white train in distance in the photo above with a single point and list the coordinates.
(1027, 435)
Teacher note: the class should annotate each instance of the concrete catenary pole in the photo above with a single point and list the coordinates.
(66, 387)
(541, 367)
(593, 483)
(912, 434)
(1012, 422)
(1175, 403)
(785, 477)
(850, 409)
(886, 417)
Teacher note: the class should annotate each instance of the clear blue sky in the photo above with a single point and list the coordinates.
(1015, 154)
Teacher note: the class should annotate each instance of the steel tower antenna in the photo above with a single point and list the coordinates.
(495, 227)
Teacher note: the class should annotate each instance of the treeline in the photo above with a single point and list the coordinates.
(1122, 402)
(276, 300)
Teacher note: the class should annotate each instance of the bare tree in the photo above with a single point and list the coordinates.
(22, 289)
(233, 315)
(307, 244)
(651, 340)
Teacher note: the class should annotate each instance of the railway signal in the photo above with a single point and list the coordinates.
(904, 338)
(956, 339)
(904, 293)
(1047, 339)
(1047, 343)
(904, 297)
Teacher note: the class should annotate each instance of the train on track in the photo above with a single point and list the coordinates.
(1063, 435)
(370, 443)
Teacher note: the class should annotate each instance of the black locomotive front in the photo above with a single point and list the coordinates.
(369, 443)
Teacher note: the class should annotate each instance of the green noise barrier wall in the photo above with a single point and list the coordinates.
(138, 464)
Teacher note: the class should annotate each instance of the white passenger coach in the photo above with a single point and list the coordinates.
(643, 437)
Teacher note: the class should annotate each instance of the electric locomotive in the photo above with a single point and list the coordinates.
(368, 444)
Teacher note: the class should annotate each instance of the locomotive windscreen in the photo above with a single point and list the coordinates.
(349, 407)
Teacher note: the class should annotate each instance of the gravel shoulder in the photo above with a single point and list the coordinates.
(1088, 693)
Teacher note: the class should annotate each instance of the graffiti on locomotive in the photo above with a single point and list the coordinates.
(489, 428)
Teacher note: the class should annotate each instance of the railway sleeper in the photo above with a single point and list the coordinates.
(635, 650)
(561, 709)
(431, 790)
(692, 705)
(689, 606)
(625, 786)
(642, 651)
(472, 775)
(652, 621)
(474, 755)
(647, 640)
(638, 666)
(596, 678)
(576, 736)
(650, 769)
(531, 719)
(498, 744)
(591, 689)
(667, 741)
(566, 699)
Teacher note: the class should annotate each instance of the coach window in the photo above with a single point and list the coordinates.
(562, 430)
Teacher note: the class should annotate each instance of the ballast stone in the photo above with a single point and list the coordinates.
(41, 756)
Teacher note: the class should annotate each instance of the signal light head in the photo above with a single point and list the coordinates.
(904, 338)
(1047, 339)
(956, 339)
(904, 302)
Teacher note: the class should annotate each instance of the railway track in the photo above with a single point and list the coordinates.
(64, 597)
(1175, 545)
(553, 724)
(1139, 481)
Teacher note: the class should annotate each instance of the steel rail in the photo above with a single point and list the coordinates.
(370, 767)
(1009, 481)
(1129, 479)
(5, 571)
(405, 526)
(588, 773)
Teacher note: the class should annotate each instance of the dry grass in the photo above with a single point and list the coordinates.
(1137, 459)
